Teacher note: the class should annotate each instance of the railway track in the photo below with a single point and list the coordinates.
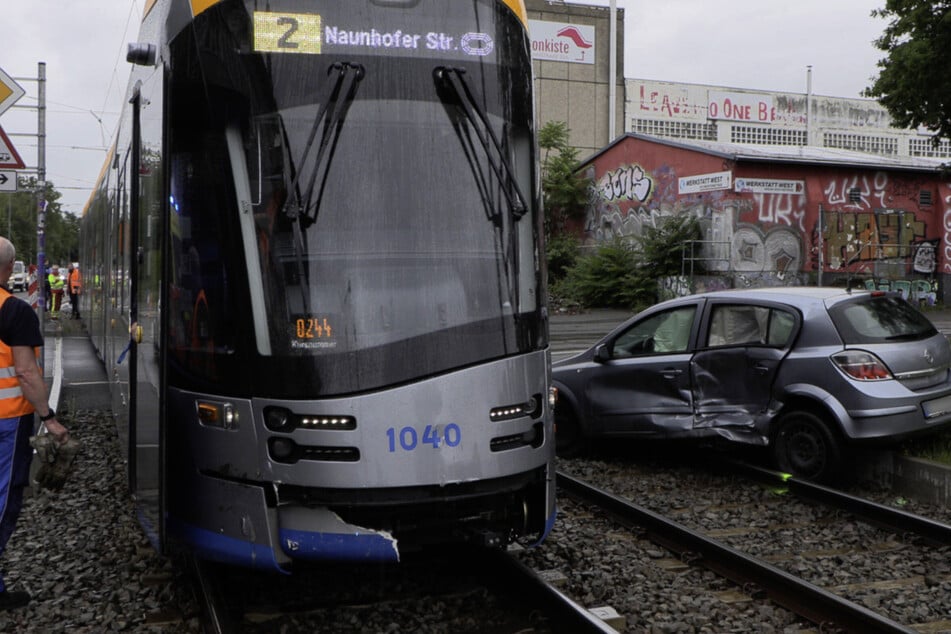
(784, 548)
(488, 590)
(769, 560)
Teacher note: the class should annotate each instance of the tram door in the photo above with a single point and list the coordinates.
(145, 274)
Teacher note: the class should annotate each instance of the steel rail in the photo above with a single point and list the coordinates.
(801, 597)
(215, 619)
(899, 520)
(523, 584)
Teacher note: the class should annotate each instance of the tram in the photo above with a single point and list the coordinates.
(315, 274)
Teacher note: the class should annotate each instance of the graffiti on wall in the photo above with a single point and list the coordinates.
(776, 237)
(629, 182)
(865, 236)
(870, 236)
(946, 222)
(926, 257)
(782, 209)
(728, 245)
(858, 190)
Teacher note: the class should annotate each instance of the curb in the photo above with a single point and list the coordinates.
(57, 373)
(917, 478)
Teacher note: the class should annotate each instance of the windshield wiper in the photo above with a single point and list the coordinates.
(454, 80)
(303, 205)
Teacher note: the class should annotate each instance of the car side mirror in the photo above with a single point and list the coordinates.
(602, 353)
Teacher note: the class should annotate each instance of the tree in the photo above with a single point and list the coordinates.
(914, 84)
(62, 229)
(565, 193)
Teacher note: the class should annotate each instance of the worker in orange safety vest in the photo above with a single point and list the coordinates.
(22, 393)
(74, 280)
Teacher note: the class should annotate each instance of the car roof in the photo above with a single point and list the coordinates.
(799, 295)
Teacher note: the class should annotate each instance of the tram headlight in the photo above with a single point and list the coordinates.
(531, 408)
(282, 449)
(278, 419)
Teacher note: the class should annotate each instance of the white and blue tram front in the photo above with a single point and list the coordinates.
(355, 326)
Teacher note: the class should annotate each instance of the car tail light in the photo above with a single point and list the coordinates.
(860, 365)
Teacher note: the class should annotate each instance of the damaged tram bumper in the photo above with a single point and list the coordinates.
(366, 477)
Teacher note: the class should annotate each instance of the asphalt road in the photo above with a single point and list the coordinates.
(573, 333)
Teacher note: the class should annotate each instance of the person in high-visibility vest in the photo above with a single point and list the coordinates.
(56, 289)
(75, 283)
(22, 393)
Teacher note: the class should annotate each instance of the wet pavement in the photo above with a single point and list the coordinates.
(75, 376)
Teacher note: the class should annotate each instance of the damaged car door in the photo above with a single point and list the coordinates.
(643, 386)
(735, 366)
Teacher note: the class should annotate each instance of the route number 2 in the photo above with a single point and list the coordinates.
(287, 32)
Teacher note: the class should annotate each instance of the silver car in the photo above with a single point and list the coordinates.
(18, 279)
(803, 371)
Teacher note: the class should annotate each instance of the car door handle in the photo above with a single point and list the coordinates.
(671, 373)
(761, 369)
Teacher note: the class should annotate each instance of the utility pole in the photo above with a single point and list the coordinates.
(41, 193)
(612, 71)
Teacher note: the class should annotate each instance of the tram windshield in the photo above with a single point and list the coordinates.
(382, 175)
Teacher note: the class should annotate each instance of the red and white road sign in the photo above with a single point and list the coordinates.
(9, 159)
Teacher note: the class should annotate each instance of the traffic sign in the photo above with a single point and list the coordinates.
(9, 159)
(8, 181)
(10, 91)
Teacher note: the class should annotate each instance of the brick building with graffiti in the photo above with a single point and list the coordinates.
(781, 215)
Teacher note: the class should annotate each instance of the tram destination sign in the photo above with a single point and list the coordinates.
(10, 91)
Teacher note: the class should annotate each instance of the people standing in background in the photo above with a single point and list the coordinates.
(75, 283)
(56, 289)
(46, 289)
(22, 393)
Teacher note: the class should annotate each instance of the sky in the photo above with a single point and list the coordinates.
(756, 44)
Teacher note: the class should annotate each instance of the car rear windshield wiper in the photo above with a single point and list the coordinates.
(453, 79)
(303, 202)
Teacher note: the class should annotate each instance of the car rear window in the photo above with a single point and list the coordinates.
(880, 319)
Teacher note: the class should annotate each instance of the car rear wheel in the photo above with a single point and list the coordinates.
(569, 441)
(804, 446)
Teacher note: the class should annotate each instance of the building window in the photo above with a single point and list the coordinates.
(924, 197)
(766, 136)
(927, 148)
(855, 195)
(676, 129)
(887, 146)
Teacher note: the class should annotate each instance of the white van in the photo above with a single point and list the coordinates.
(18, 279)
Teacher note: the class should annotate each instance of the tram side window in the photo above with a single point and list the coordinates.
(200, 297)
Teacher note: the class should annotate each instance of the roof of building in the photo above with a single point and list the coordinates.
(803, 155)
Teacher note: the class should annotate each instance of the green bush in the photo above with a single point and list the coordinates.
(662, 247)
(562, 254)
(936, 447)
(610, 278)
(624, 274)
